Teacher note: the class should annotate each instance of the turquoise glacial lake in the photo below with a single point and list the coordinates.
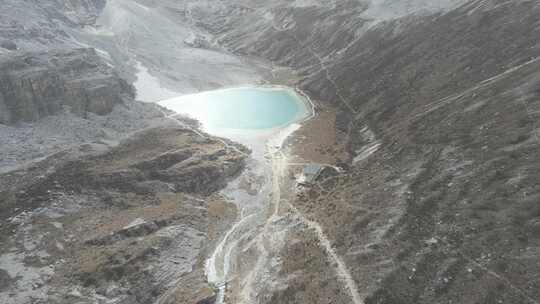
(249, 108)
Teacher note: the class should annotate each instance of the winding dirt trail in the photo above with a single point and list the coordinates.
(340, 266)
(279, 170)
(260, 225)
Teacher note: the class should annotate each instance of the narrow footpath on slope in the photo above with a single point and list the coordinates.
(279, 166)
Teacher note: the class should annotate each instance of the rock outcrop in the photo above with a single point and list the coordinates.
(107, 226)
(35, 85)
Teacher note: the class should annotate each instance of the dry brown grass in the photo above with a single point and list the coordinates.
(316, 140)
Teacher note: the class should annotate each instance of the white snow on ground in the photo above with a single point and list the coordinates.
(31, 141)
(170, 46)
(254, 210)
(148, 87)
(366, 152)
(276, 142)
(136, 222)
(308, 3)
(218, 265)
(30, 283)
(382, 10)
(371, 145)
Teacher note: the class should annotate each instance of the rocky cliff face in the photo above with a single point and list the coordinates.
(35, 85)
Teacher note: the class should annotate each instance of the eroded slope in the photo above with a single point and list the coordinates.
(439, 113)
(131, 224)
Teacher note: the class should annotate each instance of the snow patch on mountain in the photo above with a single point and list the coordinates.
(382, 10)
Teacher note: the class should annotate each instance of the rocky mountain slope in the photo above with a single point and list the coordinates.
(103, 199)
(126, 225)
(440, 115)
(35, 85)
(41, 25)
(435, 104)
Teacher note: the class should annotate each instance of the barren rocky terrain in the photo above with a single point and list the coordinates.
(430, 107)
(126, 224)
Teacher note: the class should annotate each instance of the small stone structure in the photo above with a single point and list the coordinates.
(310, 173)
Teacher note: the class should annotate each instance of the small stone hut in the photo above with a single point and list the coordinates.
(310, 173)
